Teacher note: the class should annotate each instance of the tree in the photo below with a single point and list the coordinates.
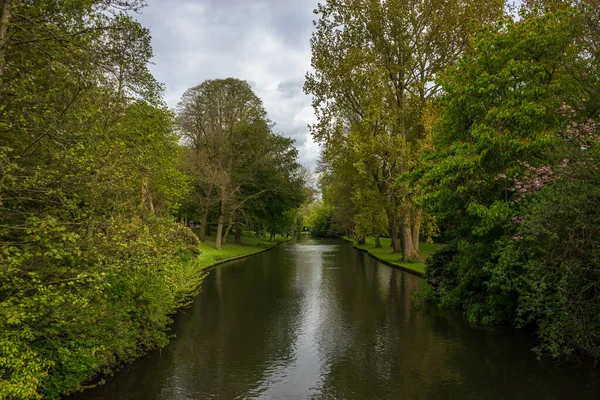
(234, 156)
(375, 63)
(550, 260)
(499, 137)
(92, 265)
(224, 122)
(278, 187)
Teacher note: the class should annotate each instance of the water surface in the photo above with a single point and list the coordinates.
(320, 320)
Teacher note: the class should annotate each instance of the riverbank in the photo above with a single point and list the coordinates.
(385, 255)
(188, 280)
(211, 257)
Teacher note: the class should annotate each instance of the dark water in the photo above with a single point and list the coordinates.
(320, 320)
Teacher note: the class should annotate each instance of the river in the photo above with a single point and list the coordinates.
(321, 320)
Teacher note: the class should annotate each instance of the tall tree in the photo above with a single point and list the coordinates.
(88, 180)
(504, 106)
(375, 66)
(224, 122)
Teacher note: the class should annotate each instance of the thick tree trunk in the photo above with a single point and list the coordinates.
(406, 238)
(238, 233)
(361, 240)
(415, 227)
(377, 242)
(220, 225)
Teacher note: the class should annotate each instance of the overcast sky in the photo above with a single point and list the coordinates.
(265, 42)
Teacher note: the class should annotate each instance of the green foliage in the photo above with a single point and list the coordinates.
(513, 180)
(240, 169)
(375, 65)
(553, 260)
(98, 301)
(322, 221)
(92, 264)
(439, 273)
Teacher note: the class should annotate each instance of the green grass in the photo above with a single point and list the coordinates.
(385, 253)
(250, 245)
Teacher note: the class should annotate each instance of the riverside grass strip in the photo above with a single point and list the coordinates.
(385, 255)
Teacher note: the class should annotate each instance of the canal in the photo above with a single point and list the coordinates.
(321, 320)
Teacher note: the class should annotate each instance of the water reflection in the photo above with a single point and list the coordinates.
(321, 320)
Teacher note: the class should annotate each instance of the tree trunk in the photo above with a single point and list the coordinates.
(394, 233)
(238, 233)
(415, 227)
(229, 225)
(6, 9)
(361, 240)
(203, 223)
(377, 242)
(406, 238)
(146, 195)
(220, 225)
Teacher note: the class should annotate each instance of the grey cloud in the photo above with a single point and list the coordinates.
(265, 42)
(291, 88)
(298, 132)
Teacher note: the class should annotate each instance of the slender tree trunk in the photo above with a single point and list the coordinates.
(377, 242)
(229, 225)
(203, 223)
(146, 195)
(6, 9)
(394, 234)
(220, 224)
(415, 227)
(406, 238)
(238, 233)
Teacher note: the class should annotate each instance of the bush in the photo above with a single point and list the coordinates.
(438, 267)
(553, 261)
(107, 301)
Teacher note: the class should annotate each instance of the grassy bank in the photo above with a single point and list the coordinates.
(385, 253)
(250, 245)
